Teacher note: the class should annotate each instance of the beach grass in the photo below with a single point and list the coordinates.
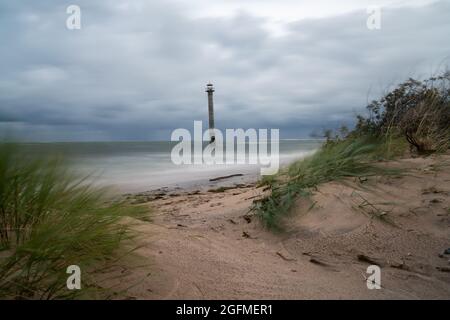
(51, 219)
(334, 161)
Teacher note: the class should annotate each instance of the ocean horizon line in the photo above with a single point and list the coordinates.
(143, 141)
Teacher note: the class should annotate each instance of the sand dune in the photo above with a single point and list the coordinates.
(206, 245)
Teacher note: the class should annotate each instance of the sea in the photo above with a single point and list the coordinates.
(143, 166)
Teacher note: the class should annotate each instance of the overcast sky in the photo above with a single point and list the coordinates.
(137, 68)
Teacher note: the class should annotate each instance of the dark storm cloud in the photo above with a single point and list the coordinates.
(137, 69)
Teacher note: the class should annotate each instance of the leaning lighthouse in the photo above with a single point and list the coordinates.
(210, 90)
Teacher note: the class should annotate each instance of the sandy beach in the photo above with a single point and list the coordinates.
(205, 243)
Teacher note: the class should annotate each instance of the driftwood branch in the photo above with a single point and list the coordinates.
(226, 177)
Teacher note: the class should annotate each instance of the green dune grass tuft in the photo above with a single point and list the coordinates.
(49, 220)
(333, 161)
